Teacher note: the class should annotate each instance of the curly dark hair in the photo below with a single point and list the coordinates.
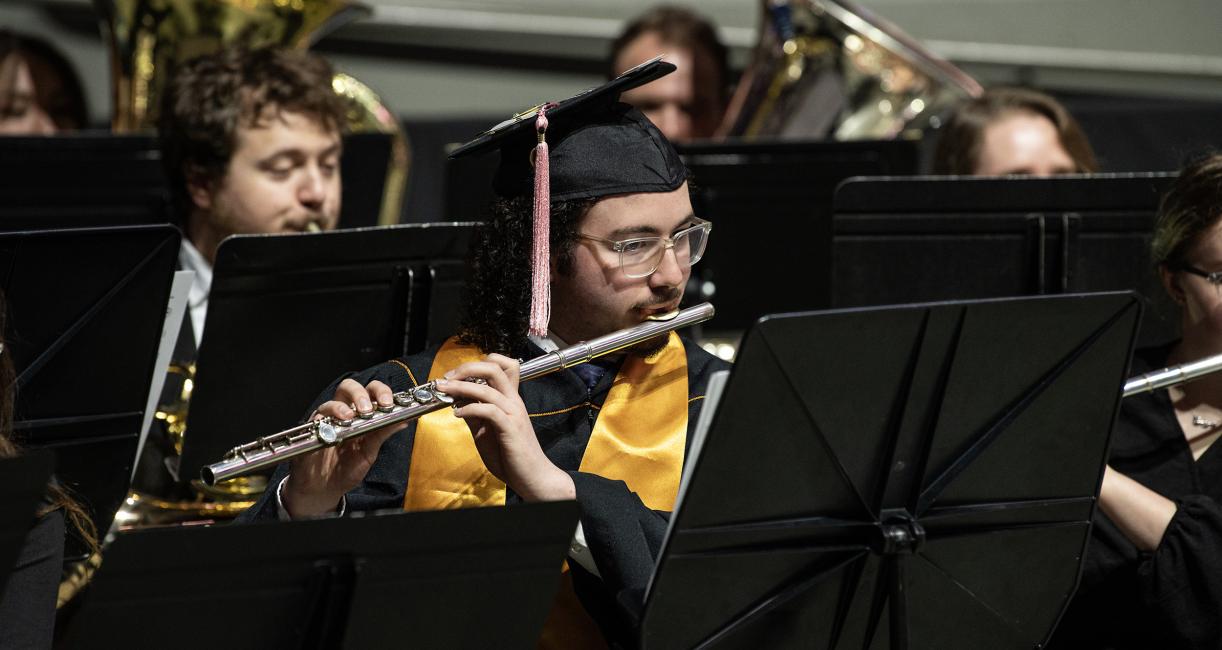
(208, 98)
(497, 310)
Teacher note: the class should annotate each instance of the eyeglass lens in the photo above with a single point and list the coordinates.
(641, 257)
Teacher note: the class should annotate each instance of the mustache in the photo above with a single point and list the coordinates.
(661, 297)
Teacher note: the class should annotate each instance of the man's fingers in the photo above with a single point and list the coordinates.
(466, 391)
(354, 394)
(488, 412)
(380, 393)
(490, 372)
(335, 409)
(371, 442)
(511, 367)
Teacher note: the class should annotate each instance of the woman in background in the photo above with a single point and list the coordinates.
(40, 93)
(1153, 571)
(27, 601)
(1013, 131)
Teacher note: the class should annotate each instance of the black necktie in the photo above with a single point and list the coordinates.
(591, 373)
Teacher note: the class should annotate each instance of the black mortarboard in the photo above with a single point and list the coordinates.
(587, 146)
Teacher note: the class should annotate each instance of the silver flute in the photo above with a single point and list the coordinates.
(1173, 375)
(426, 398)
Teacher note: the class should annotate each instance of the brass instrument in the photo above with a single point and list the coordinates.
(147, 38)
(426, 398)
(173, 415)
(1172, 376)
(833, 69)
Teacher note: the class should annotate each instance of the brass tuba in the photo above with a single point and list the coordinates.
(147, 38)
(832, 69)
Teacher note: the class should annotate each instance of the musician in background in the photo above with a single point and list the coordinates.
(1009, 131)
(622, 241)
(1153, 572)
(28, 599)
(40, 92)
(251, 143)
(250, 140)
(688, 104)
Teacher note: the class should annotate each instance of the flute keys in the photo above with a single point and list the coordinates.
(385, 408)
(423, 395)
(403, 399)
(327, 434)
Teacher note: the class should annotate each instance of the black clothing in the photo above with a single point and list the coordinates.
(27, 604)
(624, 536)
(1171, 598)
(598, 146)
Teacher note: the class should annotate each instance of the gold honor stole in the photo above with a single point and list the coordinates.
(638, 438)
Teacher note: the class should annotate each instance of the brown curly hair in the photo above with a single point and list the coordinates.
(208, 98)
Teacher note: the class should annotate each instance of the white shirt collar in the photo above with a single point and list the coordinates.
(191, 259)
(549, 343)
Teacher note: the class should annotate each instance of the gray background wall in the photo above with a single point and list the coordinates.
(446, 58)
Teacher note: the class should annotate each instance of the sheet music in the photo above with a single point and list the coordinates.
(176, 309)
(712, 395)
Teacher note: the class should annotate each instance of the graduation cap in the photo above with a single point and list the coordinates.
(588, 146)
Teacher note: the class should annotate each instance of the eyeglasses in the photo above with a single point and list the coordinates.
(1214, 278)
(639, 257)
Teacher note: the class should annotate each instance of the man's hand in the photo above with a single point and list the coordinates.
(502, 430)
(318, 480)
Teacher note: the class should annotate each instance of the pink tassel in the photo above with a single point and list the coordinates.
(540, 287)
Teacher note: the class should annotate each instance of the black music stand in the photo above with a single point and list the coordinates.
(770, 204)
(81, 180)
(918, 476)
(287, 314)
(85, 310)
(363, 170)
(23, 484)
(473, 578)
(957, 238)
(101, 179)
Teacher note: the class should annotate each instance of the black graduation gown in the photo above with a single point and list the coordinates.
(1171, 598)
(624, 535)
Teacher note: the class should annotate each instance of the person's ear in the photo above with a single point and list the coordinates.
(199, 188)
(1171, 283)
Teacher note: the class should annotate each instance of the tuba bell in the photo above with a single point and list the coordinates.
(832, 69)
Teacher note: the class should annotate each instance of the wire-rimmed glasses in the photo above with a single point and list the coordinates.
(639, 257)
(1214, 278)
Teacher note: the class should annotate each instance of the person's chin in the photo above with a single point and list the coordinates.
(650, 347)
